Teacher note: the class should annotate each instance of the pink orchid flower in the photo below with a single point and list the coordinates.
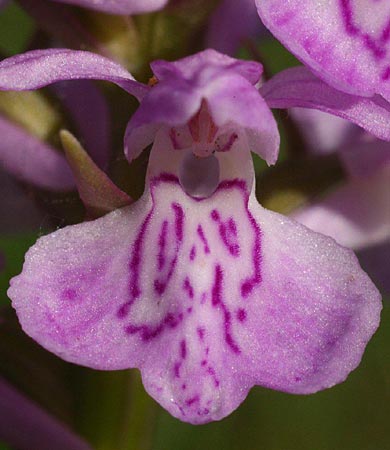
(196, 284)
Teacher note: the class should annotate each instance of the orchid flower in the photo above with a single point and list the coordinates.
(196, 284)
(345, 42)
(356, 213)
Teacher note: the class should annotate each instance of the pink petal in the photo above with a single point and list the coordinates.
(39, 68)
(338, 39)
(203, 67)
(208, 297)
(356, 215)
(119, 6)
(31, 160)
(299, 87)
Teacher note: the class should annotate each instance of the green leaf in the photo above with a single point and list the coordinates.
(16, 30)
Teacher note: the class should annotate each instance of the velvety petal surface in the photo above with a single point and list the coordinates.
(39, 68)
(346, 42)
(25, 425)
(119, 6)
(356, 215)
(226, 84)
(31, 160)
(204, 66)
(298, 87)
(208, 297)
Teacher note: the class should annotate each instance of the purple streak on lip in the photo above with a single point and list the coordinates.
(183, 349)
(160, 286)
(216, 300)
(193, 253)
(134, 266)
(162, 241)
(148, 332)
(187, 286)
(226, 231)
(202, 237)
(248, 285)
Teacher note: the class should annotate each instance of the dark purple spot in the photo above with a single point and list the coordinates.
(183, 349)
(241, 314)
(297, 379)
(203, 362)
(176, 369)
(386, 74)
(214, 215)
(184, 387)
(69, 294)
(201, 333)
(188, 287)
(189, 310)
(193, 253)
(192, 400)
